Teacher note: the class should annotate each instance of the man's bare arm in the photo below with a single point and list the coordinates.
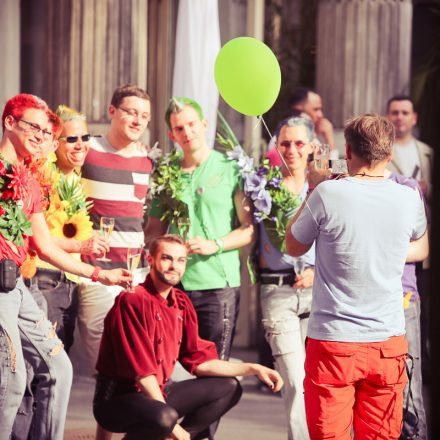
(48, 251)
(217, 367)
(418, 250)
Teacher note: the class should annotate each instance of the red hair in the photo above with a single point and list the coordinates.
(18, 104)
(57, 123)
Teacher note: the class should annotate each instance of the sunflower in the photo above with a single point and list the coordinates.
(77, 227)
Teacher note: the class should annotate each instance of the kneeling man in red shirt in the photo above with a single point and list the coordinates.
(145, 334)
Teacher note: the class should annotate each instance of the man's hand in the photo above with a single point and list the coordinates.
(120, 277)
(95, 246)
(270, 377)
(304, 279)
(178, 433)
(199, 245)
(315, 176)
(324, 128)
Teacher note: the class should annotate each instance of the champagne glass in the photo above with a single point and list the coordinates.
(106, 226)
(134, 252)
(183, 225)
(321, 156)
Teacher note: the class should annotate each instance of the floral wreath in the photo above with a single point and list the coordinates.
(15, 181)
(273, 204)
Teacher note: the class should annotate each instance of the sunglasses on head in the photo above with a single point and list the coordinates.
(73, 139)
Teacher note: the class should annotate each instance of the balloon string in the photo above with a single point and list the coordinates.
(276, 148)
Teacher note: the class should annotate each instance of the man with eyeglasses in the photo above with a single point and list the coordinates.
(115, 176)
(285, 295)
(25, 333)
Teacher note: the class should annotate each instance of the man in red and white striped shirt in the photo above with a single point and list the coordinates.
(115, 175)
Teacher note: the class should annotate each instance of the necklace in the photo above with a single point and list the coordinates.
(363, 174)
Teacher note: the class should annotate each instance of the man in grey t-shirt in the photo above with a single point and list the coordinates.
(362, 225)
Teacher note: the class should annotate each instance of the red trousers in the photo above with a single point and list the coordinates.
(355, 385)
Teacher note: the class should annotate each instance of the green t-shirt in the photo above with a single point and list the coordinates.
(209, 194)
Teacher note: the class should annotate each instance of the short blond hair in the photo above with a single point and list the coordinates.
(370, 137)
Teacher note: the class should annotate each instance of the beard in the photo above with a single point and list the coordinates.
(169, 278)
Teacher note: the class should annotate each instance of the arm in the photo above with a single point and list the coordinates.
(324, 128)
(418, 250)
(221, 368)
(293, 246)
(95, 245)
(154, 228)
(150, 387)
(237, 238)
(48, 251)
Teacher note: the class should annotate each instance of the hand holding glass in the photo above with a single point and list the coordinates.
(134, 253)
(106, 226)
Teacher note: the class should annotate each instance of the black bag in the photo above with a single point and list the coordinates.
(8, 275)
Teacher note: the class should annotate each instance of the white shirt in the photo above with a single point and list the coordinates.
(407, 157)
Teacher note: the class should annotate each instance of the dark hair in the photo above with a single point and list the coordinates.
(128, 90)
(167, 238)
(370, 137)
(177, 104)
(299, 96)
(400, 98)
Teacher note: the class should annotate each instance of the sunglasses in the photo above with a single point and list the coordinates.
(73, 139)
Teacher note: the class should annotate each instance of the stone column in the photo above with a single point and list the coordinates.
(10, 49)
(363, 55)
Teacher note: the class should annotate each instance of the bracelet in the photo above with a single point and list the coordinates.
(95, 274)
(220, 244)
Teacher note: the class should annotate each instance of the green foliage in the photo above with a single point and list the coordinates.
(70, 191)
(168, 186)
(14, 223)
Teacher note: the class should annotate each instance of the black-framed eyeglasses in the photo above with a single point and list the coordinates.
(35, 128)
(135, 114)
(74, 139)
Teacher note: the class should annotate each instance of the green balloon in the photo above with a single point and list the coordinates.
(248, 75)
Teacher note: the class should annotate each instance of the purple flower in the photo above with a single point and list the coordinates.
(246, 164)
(264, 202)
(236, 153)
(262, 171)
(253, 184)
(275, 182)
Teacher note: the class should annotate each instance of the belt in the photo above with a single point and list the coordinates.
(279, 279)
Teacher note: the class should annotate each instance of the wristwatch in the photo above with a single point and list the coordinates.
(220, 244)
(95, 274)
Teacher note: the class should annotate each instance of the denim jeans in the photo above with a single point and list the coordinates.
(61, 295)
(286, 330)
(25, 334)
(217, 311)
(416, 409)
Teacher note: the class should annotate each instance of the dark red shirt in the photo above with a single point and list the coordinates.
(145, 334)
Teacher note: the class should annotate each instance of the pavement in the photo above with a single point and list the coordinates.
(258, 416)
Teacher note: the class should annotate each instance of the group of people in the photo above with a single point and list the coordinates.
(331, 293)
